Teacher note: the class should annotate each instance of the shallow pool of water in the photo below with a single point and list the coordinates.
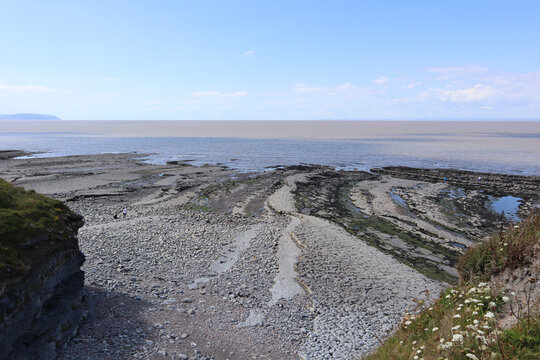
(398, 199)
(506, 205)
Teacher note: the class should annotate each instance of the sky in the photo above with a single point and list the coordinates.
(271, 60)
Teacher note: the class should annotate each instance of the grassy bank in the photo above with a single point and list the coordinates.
(25, 216)
(466, 322)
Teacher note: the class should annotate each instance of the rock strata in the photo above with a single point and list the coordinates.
(495, 184)
(42, 300)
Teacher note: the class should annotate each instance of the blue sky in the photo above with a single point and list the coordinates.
(271, 59)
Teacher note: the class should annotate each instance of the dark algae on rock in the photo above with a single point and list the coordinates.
(425, 218)
(42, 299)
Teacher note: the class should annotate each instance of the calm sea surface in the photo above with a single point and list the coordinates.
(507, 147)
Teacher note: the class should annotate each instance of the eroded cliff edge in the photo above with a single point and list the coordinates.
(42, 299)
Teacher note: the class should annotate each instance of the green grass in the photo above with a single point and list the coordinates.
(505, 250)
(24, 215)
(463, 322)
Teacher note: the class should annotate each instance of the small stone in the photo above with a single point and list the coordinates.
(184, 335)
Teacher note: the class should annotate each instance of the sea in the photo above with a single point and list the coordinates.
(511, 147)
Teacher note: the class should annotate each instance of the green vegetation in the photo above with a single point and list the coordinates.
(463, 323)
(508, 250)
(24, 216)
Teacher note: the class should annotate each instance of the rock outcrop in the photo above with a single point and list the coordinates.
(496, 184)
(42, 299)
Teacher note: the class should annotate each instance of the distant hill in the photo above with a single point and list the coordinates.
(28, 117)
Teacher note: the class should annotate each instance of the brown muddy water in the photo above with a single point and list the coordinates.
(494, 146)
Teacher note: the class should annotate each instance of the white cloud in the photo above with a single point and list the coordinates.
(459, 70)
(477, 92)
(24, 88)
(327, 90)
(412, 85)
(381, 80)
(219, 94)
(445, 73)
(249, 53)
(303, 88)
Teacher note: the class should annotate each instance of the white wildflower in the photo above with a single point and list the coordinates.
(471, 356)
(448, 345)
(456, 327)
(457, 316)
(505, 299)
(489, 315)
(434, 329)
(457, 338)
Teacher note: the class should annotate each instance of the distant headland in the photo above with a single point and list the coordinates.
(28, 117)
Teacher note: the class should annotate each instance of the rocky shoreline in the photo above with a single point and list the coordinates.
(298, 262)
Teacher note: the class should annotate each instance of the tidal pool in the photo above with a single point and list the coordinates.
(506, 205)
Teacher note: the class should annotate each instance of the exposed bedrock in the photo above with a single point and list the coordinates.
(42, 300)
(495, 184)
